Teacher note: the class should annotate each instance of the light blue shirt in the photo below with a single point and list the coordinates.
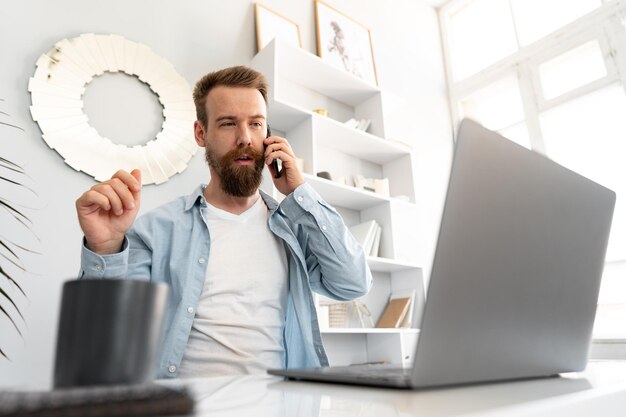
(172, 244)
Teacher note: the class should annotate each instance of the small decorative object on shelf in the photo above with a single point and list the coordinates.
(321, 112)
(379, 186)
(362, 312)
(364, 183)
(338, 314)
(325, 175)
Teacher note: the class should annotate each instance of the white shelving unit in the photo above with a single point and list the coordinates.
(300, 82)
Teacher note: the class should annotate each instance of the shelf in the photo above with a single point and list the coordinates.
(369, 330)
(389, 265)
(333, 134)
(344, 195)
(308, 70)
(285, 116)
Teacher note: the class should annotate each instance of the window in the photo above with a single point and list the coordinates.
(474, 46)
(555, 83)
(536, 18)
(499, 107)
(572, 69)
(480, 32)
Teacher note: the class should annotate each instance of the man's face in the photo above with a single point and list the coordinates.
(233, 138)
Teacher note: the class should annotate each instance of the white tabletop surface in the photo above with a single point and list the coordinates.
(599, 391)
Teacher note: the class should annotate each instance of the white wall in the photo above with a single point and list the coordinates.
(196, 37)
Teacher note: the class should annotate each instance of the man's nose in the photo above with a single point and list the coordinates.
(244, 137)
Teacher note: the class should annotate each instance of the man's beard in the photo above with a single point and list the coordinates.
(238, 181)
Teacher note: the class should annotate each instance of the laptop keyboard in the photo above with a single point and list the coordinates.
(111, 400)
(369, 371)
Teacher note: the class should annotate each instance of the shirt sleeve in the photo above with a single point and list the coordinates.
(336, 263)
(93, 265)
(133, 261)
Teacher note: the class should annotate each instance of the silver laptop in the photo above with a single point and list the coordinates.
(516, 272)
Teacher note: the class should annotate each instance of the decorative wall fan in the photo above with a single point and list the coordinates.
(57, 89)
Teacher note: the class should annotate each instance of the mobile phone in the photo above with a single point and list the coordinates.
(277, 170)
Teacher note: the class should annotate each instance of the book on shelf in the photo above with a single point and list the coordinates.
(368, 235)
(353, 123)
(399, 311)
(408, 293)
(364, 124)
(376, 244)
(394, 313)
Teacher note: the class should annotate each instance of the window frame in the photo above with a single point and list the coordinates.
(594, 34)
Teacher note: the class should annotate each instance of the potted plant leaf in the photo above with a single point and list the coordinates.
(13, 221)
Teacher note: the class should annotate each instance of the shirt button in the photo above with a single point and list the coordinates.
(201, 260)
(98, 267)
(300, 199)
(171, 369)
(324, 227)
(190, 310)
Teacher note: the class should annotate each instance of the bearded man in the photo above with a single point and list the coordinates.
(240, 266)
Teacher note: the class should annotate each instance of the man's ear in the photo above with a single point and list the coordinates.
(198, 133)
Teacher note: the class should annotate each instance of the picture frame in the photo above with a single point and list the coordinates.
(270, 25)
(344, 43)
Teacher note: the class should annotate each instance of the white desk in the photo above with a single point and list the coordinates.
(599, 391)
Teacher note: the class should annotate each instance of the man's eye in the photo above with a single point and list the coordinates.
(228, 124)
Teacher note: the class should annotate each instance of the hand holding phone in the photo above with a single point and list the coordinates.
(277, 171)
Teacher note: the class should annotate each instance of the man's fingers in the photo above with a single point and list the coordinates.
(285, 158)
(107, 190)
(131, 180)
(123, 192)
(137, 174)
(93, 198)
(275, 147)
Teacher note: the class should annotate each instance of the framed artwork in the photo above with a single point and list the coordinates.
(271, 24)
(344, 42)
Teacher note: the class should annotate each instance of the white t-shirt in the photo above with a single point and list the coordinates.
(238, 326)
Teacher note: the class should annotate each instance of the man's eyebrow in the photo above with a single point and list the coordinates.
(226, 117)
(230, 117)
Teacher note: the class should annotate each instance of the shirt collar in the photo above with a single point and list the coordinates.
(193, 198)
(270, 202)
(198, 195)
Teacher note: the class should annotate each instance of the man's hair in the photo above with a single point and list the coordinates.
(238, 76)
